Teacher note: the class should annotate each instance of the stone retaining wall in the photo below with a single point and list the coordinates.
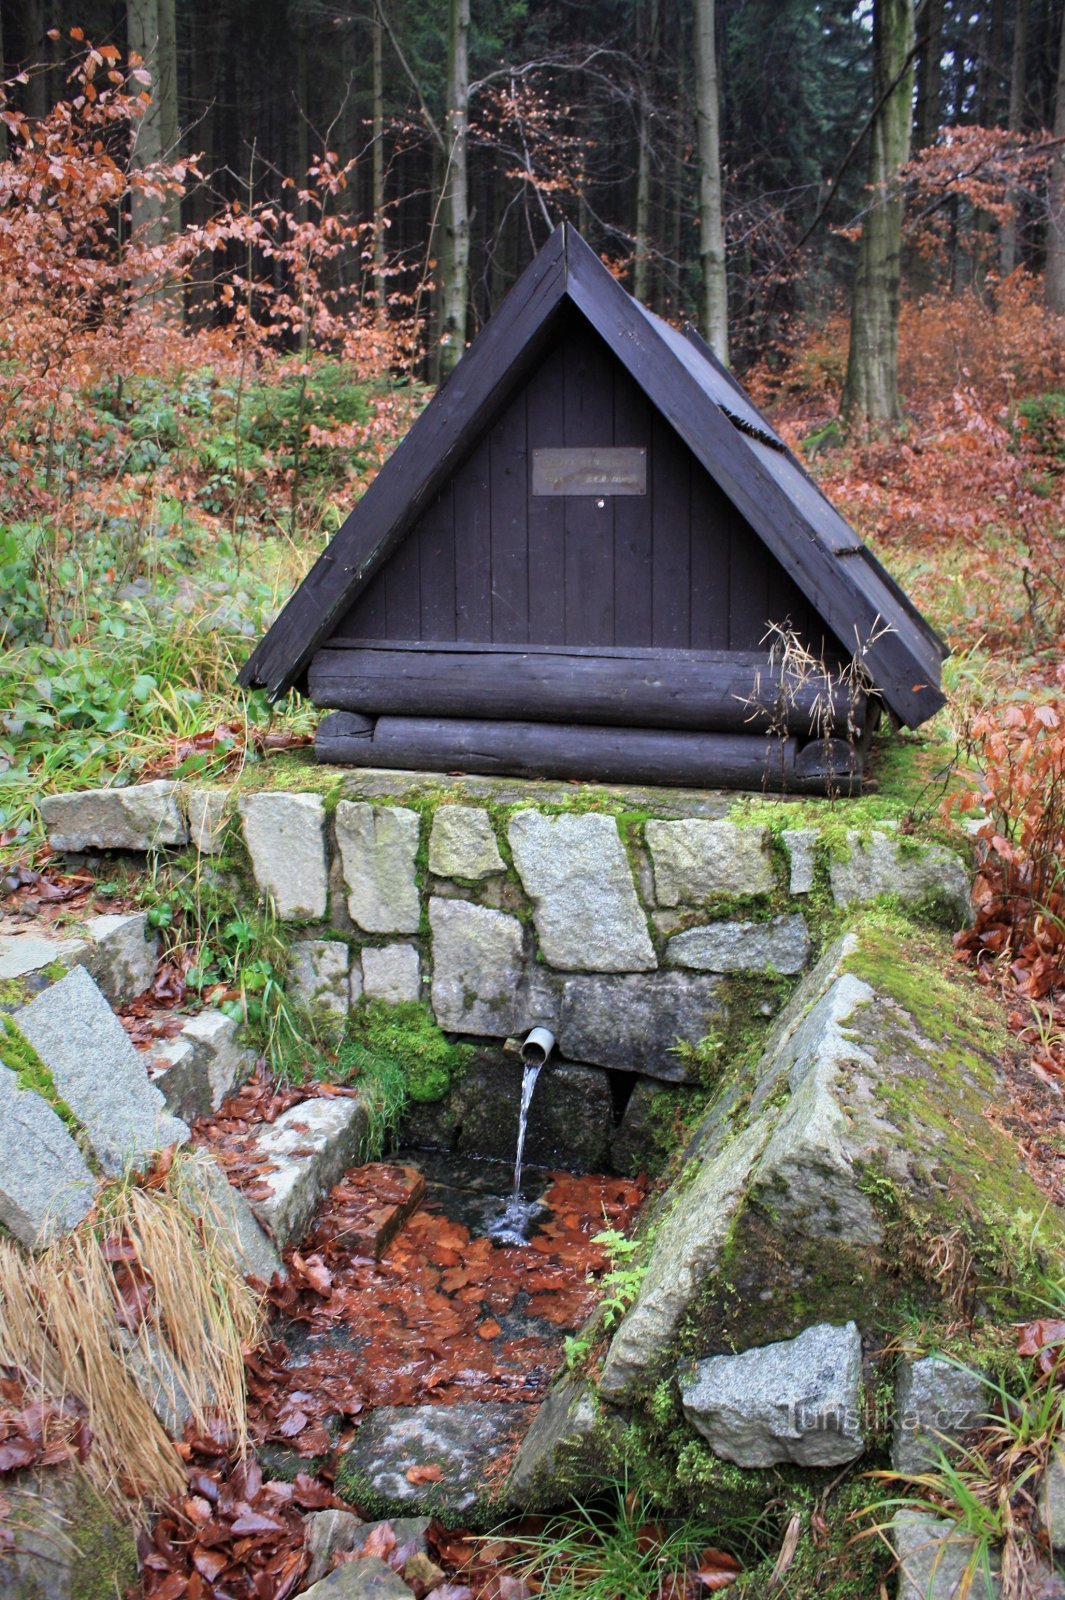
(624, 920)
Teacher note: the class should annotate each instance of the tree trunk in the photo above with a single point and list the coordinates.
(929, 76)
(380, 283)
(3, 74)
(870, 392)
(1008, 238)
(711, 221)
(166, 87)
(1055, 276)
(35, 56)
(142, 22)
(456, 252)
(647, 41)
(993, 73)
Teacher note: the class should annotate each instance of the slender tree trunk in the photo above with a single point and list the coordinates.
(870, 392)
(647, 41)
(456, 253)
(992, 68)
(929, 76)
(711, 220)
(1055, 274)
(35, 47)
(380, 282)
(142, 23)
(1008, 238)
(3, 74)
(166, 86)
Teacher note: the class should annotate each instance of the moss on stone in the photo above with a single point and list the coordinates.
(404, 1036)
(771, 1285)
(107, 1553)
(32, 1074)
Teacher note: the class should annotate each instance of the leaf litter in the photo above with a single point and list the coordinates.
(440, 1316)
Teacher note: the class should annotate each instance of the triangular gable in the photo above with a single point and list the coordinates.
(708, 410)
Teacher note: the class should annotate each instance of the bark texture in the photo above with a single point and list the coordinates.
(870, 392)
(1055, 275)
(456, 253)
(711, 220)
(1015, 122)
(151, 33)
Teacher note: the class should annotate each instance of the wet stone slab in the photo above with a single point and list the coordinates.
(462, 1440)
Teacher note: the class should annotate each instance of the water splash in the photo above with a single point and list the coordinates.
(512, 1224)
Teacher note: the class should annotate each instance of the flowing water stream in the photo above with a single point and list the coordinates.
(512, 1224)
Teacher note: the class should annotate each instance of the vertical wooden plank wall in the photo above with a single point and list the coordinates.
(489, 562)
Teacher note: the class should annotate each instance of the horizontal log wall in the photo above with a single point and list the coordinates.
(718, 692)
(546, 750)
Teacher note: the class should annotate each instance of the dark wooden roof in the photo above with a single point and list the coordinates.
(707, 408)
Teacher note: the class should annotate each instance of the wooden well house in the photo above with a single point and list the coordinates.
(592, 557)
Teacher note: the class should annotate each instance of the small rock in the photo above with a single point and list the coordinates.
(577, 874)
(781, 945)
(121, 955)
(378, 851)
(882, 865)
(798, 1400)
(801, 846)
(366, 1579)
(1050, 1513)
(327, 1534)
(462, 1440)
(46, 1187)
(634, 1022)
(318, 976)
(463, 844)
(936, 1402)
(143, 817)
(408, 1530)
(206, 809)
(694, 860)
(98, 1073)
(285, 838)
(214, 1037)
(391, 972)
(934, 1556)
(309, 1146)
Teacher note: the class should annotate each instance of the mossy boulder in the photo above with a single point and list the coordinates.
(865, 1169)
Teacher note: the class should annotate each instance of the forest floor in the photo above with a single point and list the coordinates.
(193, 499)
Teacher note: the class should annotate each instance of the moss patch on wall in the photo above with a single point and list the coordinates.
(403, 1036)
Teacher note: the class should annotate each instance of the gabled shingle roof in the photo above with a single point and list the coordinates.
(738, 447)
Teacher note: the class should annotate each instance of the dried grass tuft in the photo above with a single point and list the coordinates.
(144, 1300)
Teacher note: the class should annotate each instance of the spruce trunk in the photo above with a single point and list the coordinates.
(456, 252)
(870, 392)
(711, 220)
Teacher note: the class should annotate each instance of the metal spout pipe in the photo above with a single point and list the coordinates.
(537, 1046)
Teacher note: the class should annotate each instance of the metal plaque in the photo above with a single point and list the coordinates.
(596, 469)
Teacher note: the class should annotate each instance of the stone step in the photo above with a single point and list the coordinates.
(200, 1066)
(436, 1457)
(378, 1200)
(118, 950)
(95, 1070)
(305, 1152)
